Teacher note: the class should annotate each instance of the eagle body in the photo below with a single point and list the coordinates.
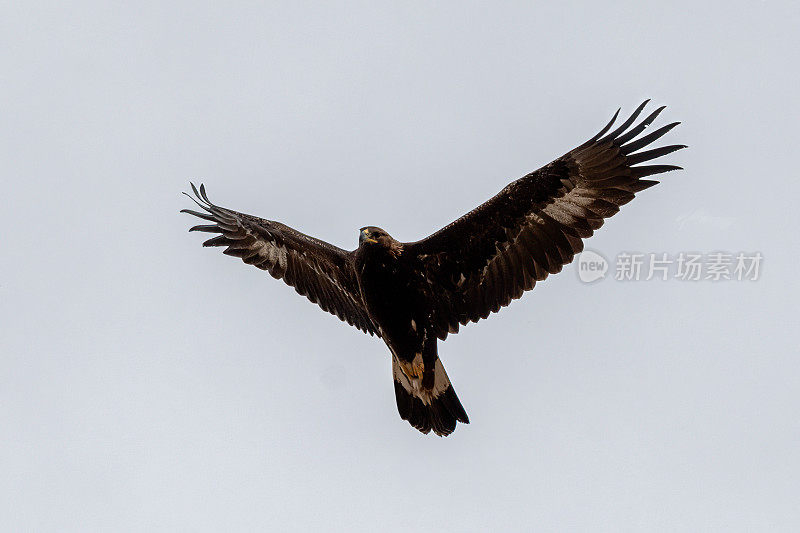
(387, 288)
(394, 293)
(412, 295)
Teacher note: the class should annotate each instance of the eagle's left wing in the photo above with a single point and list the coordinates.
(317, 270)
(535, 225)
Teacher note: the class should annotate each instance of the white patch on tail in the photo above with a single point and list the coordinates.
(412, 382)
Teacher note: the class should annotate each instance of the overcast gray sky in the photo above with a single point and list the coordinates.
(149, 384)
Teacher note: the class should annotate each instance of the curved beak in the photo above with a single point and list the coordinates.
(365, 237)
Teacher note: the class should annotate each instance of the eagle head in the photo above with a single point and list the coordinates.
(375, 236)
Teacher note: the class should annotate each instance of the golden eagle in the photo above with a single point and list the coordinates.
(411, 294)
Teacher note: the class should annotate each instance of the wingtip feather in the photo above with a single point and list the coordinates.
(607, 126)
(203, 193)
(627, 124)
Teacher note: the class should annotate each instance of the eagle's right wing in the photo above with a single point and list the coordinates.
(317, 270)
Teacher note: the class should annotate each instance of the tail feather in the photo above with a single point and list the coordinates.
(434, 407)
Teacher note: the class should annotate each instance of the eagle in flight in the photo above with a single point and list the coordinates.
(412, 294)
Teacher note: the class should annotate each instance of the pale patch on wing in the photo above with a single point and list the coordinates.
(277, 257)
(272, 252)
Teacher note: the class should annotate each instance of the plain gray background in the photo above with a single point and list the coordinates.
(148, 384)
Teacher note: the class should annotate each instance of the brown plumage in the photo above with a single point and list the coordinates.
(410, 294)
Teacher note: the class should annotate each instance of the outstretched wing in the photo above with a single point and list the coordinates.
(317, 270)
(535, 225)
